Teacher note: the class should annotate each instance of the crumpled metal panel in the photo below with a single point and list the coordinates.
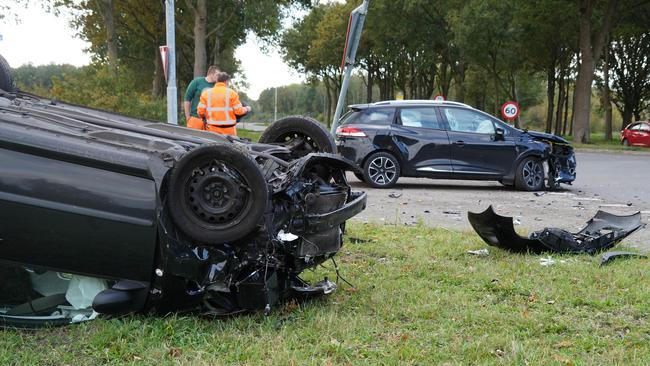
(602, 232)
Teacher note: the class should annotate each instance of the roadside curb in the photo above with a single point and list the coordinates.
(623, 152)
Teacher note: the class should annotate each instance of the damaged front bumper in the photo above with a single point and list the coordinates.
(602, 232)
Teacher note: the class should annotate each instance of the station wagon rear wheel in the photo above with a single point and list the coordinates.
(381, 170)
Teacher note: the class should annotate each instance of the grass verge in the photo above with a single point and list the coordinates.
(254, 136)
(598, 142)
(420, 299)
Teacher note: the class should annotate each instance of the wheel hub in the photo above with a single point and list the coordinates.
(382, 170)
(533, 174)
(216, 194)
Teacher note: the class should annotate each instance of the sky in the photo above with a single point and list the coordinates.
(41, 38)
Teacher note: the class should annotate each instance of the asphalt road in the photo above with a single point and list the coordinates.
(614, 182)
(617, 177)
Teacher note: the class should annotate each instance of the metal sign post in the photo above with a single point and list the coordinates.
(172, 97)
(355, 26)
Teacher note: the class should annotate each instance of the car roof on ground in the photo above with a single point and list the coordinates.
(411, 102)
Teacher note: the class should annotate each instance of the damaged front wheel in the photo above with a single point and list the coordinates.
(530, 175)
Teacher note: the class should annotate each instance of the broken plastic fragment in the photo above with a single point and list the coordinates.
(286, 236)
(610, 256)
(548, 261)
(480, 252)
(602, 232)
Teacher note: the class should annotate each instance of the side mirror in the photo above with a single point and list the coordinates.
(499, 134)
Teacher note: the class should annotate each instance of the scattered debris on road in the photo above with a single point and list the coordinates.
(395, 195)
(602, 232)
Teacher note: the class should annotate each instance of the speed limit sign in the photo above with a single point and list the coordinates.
(510, 110)
(439, 98)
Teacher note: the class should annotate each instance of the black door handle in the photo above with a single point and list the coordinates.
(460, 143)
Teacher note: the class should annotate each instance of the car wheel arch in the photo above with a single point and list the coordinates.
(396, 156)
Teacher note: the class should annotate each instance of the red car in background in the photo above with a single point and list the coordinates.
(636, 134)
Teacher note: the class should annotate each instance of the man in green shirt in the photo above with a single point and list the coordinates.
(193, 95)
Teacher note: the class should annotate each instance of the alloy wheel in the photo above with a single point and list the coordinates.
(533, 174)
(382, 170)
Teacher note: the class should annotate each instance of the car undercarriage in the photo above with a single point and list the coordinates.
(106, 214)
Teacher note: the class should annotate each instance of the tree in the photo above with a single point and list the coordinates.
(225, 24)
(485, 32)
(592, 40)
(630, 64)
(546, 44)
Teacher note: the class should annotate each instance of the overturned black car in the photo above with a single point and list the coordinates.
(102, 213)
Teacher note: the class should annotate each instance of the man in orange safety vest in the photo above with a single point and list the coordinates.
(220, 106)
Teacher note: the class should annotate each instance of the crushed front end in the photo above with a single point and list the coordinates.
(558, 154)
(561, 164)
(302, 227)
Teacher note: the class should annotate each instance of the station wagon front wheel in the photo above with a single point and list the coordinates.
(530, 175)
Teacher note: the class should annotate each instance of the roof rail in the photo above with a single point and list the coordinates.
(420, 101)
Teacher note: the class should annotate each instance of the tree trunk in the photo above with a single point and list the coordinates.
(496, 96)
(107, 11)
(460, 81)
(560, 104)
(566, 106)
(515, 96)
(200, 38)
(590, 52)
(369, 86)
(550, 96)
(607, 101)
(157, 87)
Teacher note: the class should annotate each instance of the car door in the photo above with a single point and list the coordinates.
(421, 136)
(63, 214)
(644, 134)
(474, 146)
(632, 134)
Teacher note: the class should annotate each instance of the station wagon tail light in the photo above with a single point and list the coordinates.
(349, 132)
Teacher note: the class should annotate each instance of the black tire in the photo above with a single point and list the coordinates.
(381, 170)
(530, 175)
(360, 177)
(625, 143)
(217, 194)
(6, 78)
(303, 135)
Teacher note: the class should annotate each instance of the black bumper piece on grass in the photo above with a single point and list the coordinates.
(602, 232)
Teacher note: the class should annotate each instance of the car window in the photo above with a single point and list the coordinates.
(349, 117)
(635, 127)
(463, 120)
(380, 116)
(644, 127)
(420, 117)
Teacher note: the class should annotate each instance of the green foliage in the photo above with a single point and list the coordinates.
(93, 86)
